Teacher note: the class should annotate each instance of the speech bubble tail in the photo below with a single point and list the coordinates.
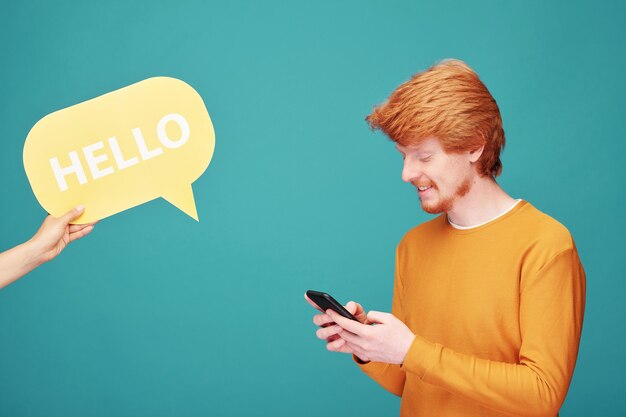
(182, 199)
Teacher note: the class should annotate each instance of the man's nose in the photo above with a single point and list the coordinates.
(410, 171)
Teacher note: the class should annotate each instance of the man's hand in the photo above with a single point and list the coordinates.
(331, 331)
(386, 339)
(56, 233)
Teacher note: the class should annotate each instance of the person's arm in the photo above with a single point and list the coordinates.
(51, 238)
(552, 302)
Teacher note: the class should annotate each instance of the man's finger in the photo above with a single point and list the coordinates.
(350, 337)
(348, 324)
(322, 319)
(340, 346)
(326, 332)
(335, 345)
(351, 307)
(377, 317)
(347, 348)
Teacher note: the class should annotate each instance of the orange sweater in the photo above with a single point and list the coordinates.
(497, 311)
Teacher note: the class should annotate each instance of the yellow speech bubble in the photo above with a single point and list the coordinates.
(148, 140)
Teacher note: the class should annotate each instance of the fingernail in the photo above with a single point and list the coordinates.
(80, 208)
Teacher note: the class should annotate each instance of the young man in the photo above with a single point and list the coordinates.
(489, 296)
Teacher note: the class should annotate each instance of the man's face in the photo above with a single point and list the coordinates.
(440, 178)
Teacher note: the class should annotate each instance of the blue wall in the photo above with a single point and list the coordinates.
(155, 314)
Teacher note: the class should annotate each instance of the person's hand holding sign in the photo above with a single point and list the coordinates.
(52, 237)
(150, 139)
(56, 233)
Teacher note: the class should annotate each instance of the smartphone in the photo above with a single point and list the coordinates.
(325, 301)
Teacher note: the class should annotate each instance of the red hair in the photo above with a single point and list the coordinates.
(447, 101)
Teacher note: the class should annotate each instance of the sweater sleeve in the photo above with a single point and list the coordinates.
(389, 376)
(552, 303)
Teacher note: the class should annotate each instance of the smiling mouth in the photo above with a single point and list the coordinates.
(424, 188)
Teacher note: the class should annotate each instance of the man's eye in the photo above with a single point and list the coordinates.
(426, 158)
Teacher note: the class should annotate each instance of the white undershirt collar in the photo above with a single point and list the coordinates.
(456, 226)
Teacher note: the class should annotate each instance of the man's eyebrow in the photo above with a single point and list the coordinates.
(421, 151)
(425, 149)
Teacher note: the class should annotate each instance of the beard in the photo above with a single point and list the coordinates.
(444, 204)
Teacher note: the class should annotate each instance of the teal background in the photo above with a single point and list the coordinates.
(157, 315)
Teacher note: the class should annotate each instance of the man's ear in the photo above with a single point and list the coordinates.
(476, 153)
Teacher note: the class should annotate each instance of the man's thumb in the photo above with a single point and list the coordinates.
(351, 307)
(377, 317)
